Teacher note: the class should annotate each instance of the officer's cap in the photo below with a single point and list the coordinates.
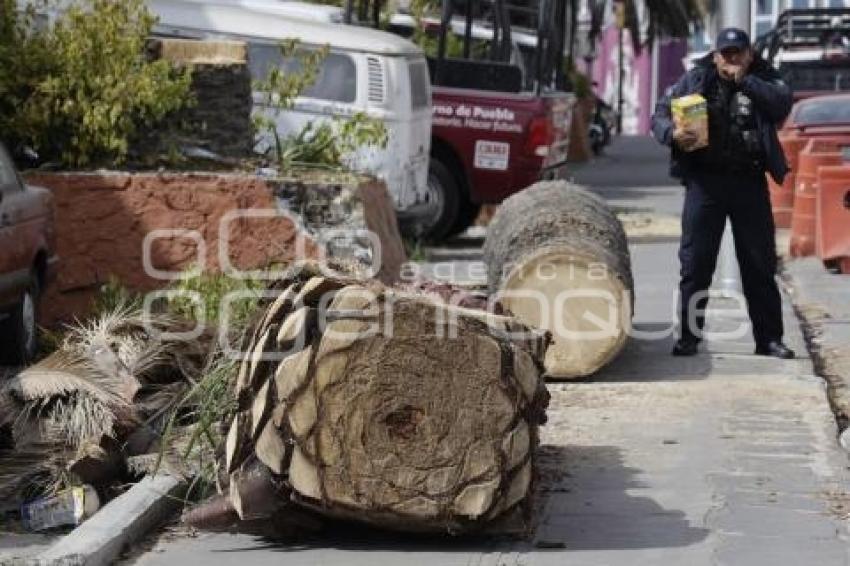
(732, 38)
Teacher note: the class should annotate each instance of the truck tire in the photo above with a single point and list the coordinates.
(466, 216)
(19, 332)
(445, 194)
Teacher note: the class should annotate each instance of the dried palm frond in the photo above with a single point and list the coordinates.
(110, 374)
(65, 399)
(670, 18)
(27, 473)
(147, 345)
(62, 373)
(80, 418)
(130, 336)
(153, 405)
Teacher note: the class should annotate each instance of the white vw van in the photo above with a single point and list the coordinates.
(369, 71)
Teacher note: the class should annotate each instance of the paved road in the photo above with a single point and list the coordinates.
(722, 459)
(633, 172)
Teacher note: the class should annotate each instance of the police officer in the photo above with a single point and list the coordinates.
(746, 99)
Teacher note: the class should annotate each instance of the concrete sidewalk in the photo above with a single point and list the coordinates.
(722, 459)
(822, 300)
(725, 458)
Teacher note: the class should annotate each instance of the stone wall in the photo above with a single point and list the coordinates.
(103, 219)
(350, 218)
(221, 116)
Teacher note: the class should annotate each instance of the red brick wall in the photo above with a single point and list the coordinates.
(102, 221)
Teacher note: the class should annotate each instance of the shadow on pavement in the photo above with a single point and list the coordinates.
(340, 536)
(594, 505)
(584, 501)
(645, 359)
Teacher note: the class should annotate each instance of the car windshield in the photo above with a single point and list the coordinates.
(835, 111)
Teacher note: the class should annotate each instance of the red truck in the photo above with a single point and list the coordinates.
(500, 122)
(27, 244)
(810, 47)
(486, 146)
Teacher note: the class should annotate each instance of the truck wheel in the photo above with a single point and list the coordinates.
(443, 203)
(467, 215)
(19, 332)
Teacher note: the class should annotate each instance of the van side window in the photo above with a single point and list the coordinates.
(336, 80)
(420, 85)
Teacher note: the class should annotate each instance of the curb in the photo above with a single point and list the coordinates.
(124, 520)
(814, 329)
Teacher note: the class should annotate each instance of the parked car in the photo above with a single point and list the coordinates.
(369, 71)
(820, 115)
(27, 259)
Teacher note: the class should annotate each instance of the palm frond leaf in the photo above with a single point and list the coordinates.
(662, 18)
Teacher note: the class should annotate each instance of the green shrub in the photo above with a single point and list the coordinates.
(113, 296)
(324, 143)
(212, 288)
(76, 91)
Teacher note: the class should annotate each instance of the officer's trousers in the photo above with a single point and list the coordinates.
(711, 198)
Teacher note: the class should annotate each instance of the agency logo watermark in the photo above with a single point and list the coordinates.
(582, 309)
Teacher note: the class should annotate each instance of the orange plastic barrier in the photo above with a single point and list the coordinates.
(817, 153)
(782, 196)
(832, 216)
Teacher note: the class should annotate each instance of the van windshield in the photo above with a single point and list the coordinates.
(336, 80)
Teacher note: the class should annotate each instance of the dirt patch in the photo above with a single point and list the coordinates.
(650, 225)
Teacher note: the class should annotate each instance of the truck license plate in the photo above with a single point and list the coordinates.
(492, 155)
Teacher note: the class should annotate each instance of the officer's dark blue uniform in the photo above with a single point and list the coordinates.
(727, 179)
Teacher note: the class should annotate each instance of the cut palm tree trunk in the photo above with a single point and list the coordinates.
(558, 259)
(387, 408)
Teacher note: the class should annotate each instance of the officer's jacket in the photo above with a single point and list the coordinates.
(771, 98)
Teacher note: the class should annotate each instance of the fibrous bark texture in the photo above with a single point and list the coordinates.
(558, 259)
(390, 408)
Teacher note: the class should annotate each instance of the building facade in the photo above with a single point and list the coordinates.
(644, 75)
(763, 16)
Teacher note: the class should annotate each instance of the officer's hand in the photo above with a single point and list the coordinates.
(685, 138)
(726, 71)
(744, 67)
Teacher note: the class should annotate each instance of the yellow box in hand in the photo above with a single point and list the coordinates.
(691, 112)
